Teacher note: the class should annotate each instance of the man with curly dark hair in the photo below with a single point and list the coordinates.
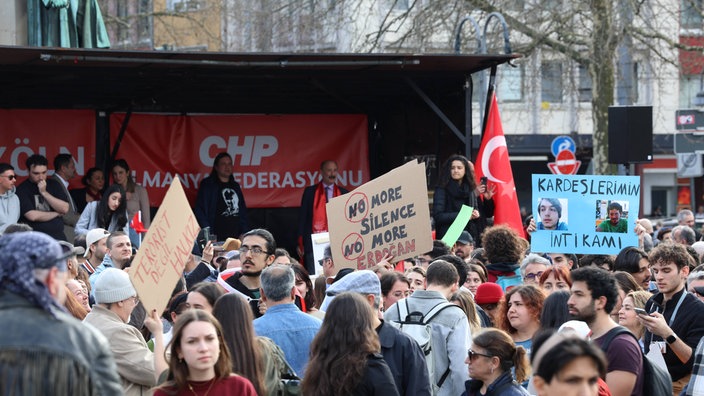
(674, 316)
(504, 252)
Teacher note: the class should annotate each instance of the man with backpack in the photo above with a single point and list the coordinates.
(448, 340)
(593, 296)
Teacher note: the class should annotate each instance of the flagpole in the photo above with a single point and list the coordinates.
(489, 95)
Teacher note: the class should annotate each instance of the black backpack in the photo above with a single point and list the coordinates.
(656, 381)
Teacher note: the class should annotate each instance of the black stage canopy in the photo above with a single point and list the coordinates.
(207, 82)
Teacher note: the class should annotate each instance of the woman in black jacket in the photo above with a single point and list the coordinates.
(490, 361)
(458, 187)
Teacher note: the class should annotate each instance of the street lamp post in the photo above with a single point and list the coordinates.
(480, 38)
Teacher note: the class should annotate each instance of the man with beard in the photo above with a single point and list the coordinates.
(256, 253)
(96, 248)
(594, 294)
(464, 246)
(615, 223)
(675, 316)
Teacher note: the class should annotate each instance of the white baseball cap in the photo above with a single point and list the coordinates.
(94, 236)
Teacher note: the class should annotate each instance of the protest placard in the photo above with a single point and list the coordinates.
(585, 214)
(165, 250)
(388, 215)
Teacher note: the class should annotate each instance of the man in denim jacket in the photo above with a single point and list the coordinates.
(291, 329)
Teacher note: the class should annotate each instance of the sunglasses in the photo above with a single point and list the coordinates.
(471, 354)
(10, 177)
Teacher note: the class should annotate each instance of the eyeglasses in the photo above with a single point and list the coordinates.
(254, 250)
(471, 354)
(698, 290)
(533, 275)
(134, 299)
(10, 177)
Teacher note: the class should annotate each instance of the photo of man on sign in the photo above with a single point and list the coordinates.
(616, 221)
(550, 211)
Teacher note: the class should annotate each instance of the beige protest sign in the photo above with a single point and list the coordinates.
(165, 250)
(388, 215)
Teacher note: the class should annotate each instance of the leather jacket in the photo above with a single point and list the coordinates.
(73, 358)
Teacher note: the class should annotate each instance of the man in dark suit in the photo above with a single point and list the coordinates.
(312, 218)
(64, 171)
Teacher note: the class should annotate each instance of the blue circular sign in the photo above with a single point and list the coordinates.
(561, 143)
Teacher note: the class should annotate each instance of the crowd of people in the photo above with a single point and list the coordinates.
(486, 316)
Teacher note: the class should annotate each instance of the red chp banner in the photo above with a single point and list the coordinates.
(274, 156)
(48, 133)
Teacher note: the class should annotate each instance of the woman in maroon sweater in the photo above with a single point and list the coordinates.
(200, 362)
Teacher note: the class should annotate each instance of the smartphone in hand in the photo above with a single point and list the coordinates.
(641, 311)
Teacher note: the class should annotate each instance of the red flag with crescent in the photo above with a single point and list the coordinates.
(493, 162)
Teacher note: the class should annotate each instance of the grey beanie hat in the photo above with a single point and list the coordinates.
(113, 285)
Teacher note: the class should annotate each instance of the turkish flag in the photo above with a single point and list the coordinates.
(136, 223)
(493, 162)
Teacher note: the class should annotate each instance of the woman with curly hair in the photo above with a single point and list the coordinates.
(457, 187)
(521, 314)
(344, 355)
(109, 213)
(200, 360)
